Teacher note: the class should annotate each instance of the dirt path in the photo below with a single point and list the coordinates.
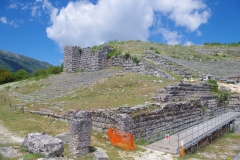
(7, 137)
(232, 87)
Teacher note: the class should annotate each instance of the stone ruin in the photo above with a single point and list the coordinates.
(175, 106)
(80, 127)
(89, 59)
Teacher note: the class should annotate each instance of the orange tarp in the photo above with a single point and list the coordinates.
(121, 139)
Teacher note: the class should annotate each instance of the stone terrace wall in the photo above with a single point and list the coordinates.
(181, 91)
(234, 102)
(168, 115)
(139, 118)
(168, 64)
(87, 59)
(235, 50)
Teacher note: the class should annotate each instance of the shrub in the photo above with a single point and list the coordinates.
(113, 53)
(43, 73)
(5, 76)
(55, 69)
(214, 85)
(80, 50)
(21, 75)
(136, 60)
(151, 48)
(127, 56)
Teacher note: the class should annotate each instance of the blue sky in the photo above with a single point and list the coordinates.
(41, 28)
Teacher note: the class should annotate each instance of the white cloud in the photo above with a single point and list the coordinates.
(13, 6)
(199, 33)
(172, 37)
(3, 20)
(82, 23)
(188, 43)
(85, 24)
(40, 7)
(11, 23)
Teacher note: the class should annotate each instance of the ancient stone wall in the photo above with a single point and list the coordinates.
(80, 127)
(234, 102)
(160, 60)
(192, 102)
(71, 58)
(139, 118)
(88, 59)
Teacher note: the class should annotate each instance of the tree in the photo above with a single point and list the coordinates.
(55, 69)
(5, 76)
(21, 75)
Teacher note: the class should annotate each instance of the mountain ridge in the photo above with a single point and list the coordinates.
(13, 62)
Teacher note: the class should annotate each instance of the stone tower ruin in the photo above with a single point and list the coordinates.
(85, 59)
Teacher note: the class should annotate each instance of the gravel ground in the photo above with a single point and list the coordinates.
(7, 137)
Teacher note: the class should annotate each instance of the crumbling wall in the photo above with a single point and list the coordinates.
(234, 102)
(137, 119)
(80, 127)
(184, 103)
(86, 59)
(89, 59)
(71, 58)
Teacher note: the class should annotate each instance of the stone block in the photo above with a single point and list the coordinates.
(43, 144)
(100, 156)
(237, 126)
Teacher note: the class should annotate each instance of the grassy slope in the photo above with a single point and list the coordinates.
(184, 52)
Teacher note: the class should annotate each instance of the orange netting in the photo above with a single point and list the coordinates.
(121, 139)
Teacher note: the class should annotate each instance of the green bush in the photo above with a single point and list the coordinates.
(127, 56)
(214, 85)
(113, 53)
(21, 75)
(80, 50)
(5, 76)
(55, 69)
(136, 60)
(43, 73)
(151, 48)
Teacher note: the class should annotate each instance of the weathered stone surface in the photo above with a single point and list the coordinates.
(64, 137)
(237, 126)
(43, 144)
(100, 156)
(8, 152)
(90, 59)
(80, 127)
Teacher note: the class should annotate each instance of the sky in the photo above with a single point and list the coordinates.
(41, 28)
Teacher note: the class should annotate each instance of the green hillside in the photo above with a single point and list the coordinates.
(14, 62)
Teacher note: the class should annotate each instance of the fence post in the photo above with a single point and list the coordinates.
(10, 105)
(178, 141)
(22, 109)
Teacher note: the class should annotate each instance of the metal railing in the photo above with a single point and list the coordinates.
(158, 132)
(194, 134)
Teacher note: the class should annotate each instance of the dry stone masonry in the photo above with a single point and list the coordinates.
(89, 59)
(80, 127)
(179, 105)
